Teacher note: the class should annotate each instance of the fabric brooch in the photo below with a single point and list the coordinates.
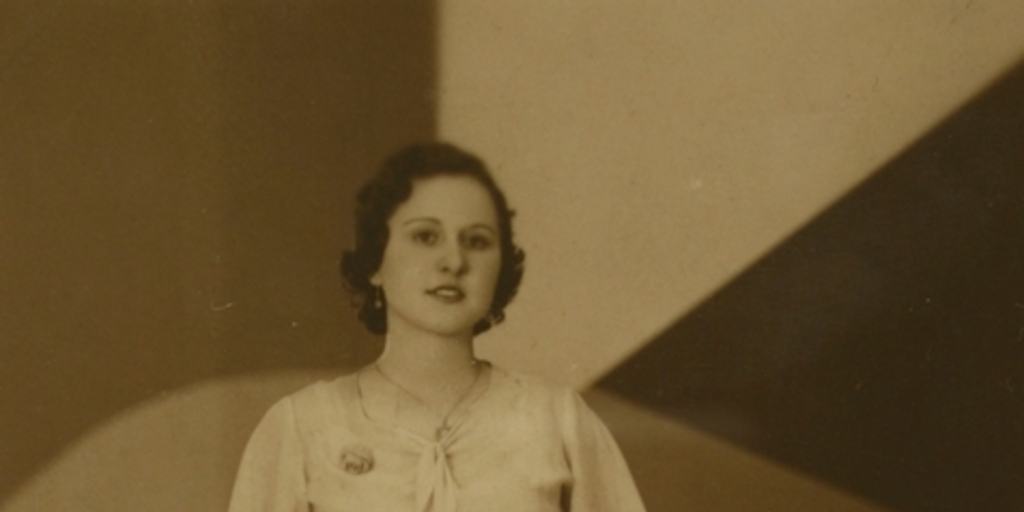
(357, 459)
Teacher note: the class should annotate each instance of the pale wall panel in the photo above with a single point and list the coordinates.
(654, 149)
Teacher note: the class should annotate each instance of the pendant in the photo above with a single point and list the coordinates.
(441, 432)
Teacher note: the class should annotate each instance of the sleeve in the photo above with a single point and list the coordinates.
(601, 479)
(271, 476)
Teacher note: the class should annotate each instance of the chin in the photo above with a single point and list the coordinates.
(452, 328)
(440, 321)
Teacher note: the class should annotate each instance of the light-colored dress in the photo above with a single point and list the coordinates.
(522, 445)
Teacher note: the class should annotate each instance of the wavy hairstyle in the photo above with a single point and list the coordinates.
(390, 187)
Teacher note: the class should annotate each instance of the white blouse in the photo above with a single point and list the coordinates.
(522, 446)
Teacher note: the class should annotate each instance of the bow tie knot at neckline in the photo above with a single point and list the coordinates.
(435, 486)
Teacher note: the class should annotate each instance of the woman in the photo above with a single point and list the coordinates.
(428, 427)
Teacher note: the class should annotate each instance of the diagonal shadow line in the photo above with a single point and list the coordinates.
(881, 347)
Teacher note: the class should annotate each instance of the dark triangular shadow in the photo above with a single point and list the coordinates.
(880, 348)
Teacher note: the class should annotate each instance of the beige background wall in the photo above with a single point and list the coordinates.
(656, 148)
(169, 191)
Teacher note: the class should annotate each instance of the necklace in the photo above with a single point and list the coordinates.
(444, 427)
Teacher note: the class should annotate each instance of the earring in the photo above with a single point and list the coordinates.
(378, 302)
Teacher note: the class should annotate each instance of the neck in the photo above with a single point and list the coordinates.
(437, 368)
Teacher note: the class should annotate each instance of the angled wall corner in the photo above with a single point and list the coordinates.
(879, 347)
(658, 150)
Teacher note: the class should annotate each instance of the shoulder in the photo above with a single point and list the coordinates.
(324, 398)
(312, 405)
(537, 389)
(325, 390)
(548, 401)
(526, 383)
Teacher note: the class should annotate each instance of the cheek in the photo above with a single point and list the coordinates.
(491, 270)
(397, 264)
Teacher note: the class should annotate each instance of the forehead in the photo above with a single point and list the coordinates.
(455, 199)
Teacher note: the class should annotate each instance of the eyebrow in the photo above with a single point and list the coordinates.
(434, 220)
(421, 219)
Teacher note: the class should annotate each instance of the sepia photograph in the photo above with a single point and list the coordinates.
(511, 256)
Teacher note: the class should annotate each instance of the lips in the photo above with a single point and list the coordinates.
(448, 294)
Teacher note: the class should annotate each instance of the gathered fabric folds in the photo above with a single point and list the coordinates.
(435, 486)
(520, 445)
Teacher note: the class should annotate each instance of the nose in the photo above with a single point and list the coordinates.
(452, 259)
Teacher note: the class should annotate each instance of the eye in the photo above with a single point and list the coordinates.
(425, 236)
(478, 242)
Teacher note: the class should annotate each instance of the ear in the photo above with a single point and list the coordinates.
(375, 279)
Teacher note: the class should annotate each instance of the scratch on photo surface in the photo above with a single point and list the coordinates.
(222, 307)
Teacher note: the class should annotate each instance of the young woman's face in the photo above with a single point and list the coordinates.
(443, 256)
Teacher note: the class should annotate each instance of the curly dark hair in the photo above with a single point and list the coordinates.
(390, 187)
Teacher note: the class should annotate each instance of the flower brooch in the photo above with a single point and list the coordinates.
(356, 459)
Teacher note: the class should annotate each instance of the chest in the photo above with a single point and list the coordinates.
(504, 462)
